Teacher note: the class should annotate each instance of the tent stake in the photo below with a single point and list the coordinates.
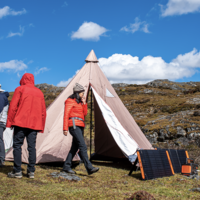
(91, 124)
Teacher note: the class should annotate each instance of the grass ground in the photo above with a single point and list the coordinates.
(111, 182)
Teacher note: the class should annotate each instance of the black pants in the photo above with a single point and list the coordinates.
(77, 143)
(2, 147)
(18, 140)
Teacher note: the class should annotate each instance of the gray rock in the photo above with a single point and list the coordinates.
(115, 85)
(162, 132)
(197, 113)
(182, 141)
(181, 132)
(190, 136)
(197, 141)
(196, 135)
(67, 176)
(189, 130)
(195, 189)
(152, 140)
(155, 134)
(147, 91)
(161, 138)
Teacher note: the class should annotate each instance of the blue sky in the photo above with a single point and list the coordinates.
(136, 41)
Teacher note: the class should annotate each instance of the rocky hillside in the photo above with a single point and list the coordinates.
(167, 112)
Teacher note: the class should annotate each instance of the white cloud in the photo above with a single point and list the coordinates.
(20, 33)
(89, 31)
(65, 4)
(65, 83)
(41, 70)
(30, 62)
(137, 26)
(31, 25)
(129, 69)
(179, 7)
(13, 65)
(5, 11)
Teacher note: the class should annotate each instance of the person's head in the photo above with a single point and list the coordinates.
(79, 89)
(27, 79)
(81, 94)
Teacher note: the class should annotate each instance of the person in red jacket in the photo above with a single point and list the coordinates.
(27, 114)
(74, 115)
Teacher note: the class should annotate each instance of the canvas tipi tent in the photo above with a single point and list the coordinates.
(116, 132)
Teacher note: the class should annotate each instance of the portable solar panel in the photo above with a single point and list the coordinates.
(183, 155)
(178, 158)
(154, 164)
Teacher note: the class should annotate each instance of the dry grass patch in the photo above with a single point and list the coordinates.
(111, 182)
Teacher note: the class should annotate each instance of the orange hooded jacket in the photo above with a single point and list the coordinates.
(73, 109)
(27, 108)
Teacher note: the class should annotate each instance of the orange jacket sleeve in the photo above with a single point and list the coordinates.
(14, 104)
(85, 109)
(68, 108)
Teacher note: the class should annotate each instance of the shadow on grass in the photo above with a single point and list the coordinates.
(125, 164)
(137, 176)
(6, 169)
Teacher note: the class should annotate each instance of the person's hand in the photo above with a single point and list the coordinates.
(11, 128)
(65, 133)
(84, 100)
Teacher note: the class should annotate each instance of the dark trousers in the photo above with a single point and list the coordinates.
(77, 143)
(18, 140)
(2, 147)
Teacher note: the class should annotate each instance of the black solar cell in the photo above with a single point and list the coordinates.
(178, 158)
(154, 164)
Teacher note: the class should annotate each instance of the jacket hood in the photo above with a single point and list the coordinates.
(27, 78)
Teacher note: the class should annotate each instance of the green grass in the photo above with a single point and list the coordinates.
(111, 182)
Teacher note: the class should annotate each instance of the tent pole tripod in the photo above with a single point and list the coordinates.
(91, 124)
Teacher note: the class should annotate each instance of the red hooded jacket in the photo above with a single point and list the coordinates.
(27, 108)
(74, 109)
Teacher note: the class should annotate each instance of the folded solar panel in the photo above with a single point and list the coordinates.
(178, 158)
(154, 164)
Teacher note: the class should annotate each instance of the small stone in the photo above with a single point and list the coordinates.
(182, 141)
(181, 131)
(189, 130)
(65, 175)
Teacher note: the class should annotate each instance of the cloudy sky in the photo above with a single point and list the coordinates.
(136, 41)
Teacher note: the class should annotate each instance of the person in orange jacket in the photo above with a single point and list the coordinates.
(27, 114)
(74, 115)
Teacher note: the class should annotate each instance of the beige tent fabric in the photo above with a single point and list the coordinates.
(53, 146)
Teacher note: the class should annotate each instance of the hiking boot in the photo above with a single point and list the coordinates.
(70, 171)
(92, 171)
(15, 174)
(30, 174)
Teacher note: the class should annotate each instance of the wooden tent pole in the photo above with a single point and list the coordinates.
(91, 124)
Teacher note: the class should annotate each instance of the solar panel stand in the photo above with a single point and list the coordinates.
(134, 167)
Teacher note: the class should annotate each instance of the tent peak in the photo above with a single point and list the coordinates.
(91, 57)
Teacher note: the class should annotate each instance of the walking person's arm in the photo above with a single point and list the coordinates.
(68, 108)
